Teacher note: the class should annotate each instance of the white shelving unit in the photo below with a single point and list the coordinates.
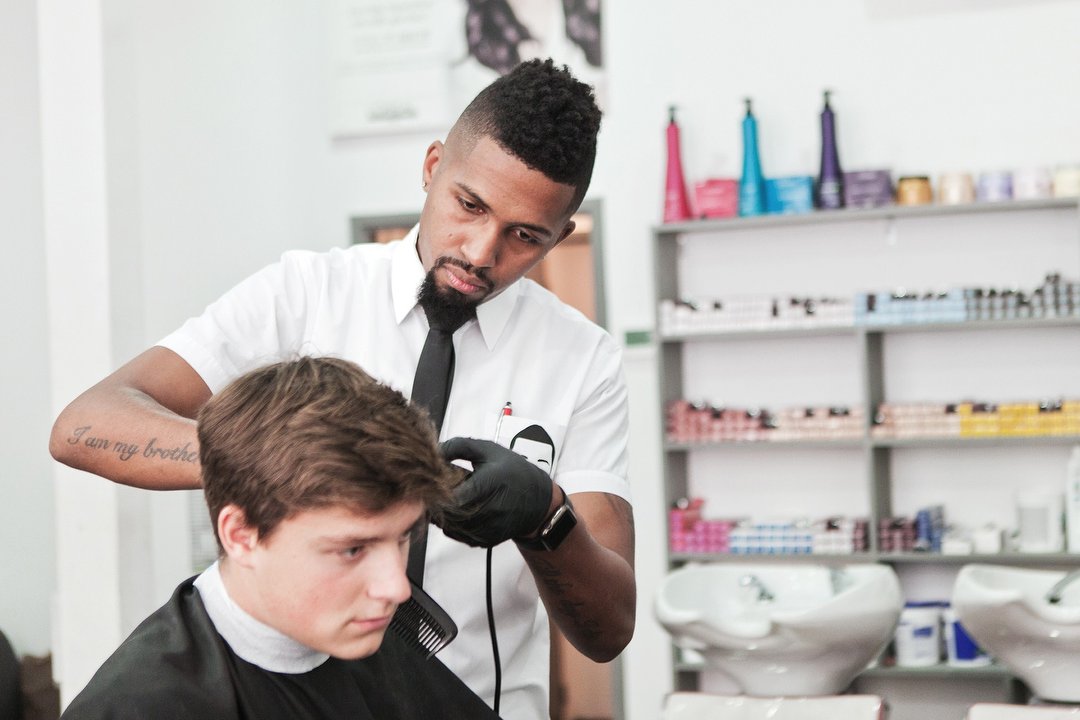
(836, 254)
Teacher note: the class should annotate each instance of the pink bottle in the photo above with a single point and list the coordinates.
(676, 204)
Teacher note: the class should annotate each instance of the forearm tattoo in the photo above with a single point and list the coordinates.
(561, 597)
(84, 436)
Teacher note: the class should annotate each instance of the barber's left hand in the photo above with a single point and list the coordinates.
(505, 496)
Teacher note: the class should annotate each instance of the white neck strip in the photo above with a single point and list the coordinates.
(252, 640)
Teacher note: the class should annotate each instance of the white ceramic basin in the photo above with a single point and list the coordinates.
(699, 706)
(820, 628)
(998, 711)
(1006, 611)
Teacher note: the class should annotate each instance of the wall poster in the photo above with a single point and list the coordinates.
(413, 65)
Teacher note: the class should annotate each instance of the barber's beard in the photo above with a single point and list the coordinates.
(445, 306)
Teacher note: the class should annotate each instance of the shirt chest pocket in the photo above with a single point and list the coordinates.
(538, 441)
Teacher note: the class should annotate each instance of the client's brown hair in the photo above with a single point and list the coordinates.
(314, 432)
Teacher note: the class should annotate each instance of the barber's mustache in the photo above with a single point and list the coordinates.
(475, 273)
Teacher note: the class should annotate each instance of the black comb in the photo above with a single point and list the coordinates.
(422, 624)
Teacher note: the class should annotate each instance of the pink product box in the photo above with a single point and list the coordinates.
(699, 549)
(682, 520)
(717, 197)
(690, 533)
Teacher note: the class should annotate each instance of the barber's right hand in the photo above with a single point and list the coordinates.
(504, 497)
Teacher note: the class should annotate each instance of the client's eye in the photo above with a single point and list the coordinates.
(353, 552)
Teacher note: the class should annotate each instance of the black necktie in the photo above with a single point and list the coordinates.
(431, 390)
(435, 374)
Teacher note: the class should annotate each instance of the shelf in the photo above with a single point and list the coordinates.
(975, 325)
(937, 671)
(889, 212)
(823, 331)
(1003, 558)
(960, 442)
(842, 444)
(684, 352)
(929, 672)
(1006, 558)
(810, 559)
(927, 443)
(840, 330)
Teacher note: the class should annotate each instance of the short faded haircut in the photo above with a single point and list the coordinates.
(312, 433)
(543, 116)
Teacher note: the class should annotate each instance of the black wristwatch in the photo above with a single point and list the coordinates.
(555, 528)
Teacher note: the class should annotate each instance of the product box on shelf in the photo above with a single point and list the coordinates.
(868, 188)
(717, 198)
(970, 419)
(788, 195)
(743, 313)
(704, 423)
(692, 534)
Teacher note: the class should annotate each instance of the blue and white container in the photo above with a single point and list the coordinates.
(918, 635)
(961, 649)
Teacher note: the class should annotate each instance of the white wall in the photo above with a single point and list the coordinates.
(920, 86)
(219, 156)
(27, 566)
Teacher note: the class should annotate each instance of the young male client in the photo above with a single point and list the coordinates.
(316, 477)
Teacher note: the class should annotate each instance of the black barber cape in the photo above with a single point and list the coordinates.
(175, 666)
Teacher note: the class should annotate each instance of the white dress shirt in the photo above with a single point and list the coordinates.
(526, 347)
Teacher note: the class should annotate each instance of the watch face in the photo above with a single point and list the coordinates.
(560, 525)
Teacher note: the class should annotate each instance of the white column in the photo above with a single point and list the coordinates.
(647, 662)
(86, 623)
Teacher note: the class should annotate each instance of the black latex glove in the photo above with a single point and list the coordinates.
(505, 496)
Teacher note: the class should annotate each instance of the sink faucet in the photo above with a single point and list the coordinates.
(838, 579)
(1054, 595)
(752, 581)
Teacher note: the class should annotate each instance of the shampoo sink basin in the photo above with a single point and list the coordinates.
(1013, 614)
(699, 706)
(782, 630)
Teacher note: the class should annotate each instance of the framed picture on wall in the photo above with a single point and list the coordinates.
(413, 66)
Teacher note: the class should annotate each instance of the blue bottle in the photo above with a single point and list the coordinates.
(752, 183)
(830, 185)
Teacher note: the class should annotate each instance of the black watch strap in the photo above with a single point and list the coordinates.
(555, 528)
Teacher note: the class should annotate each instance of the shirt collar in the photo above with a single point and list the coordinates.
(407, 273)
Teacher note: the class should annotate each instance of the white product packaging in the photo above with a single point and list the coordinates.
(918, 635)
(1039, 522)
(987, 539)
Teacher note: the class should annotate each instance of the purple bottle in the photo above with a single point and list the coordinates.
(830, 184)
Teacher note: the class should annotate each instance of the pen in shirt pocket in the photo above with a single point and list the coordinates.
(507, 409)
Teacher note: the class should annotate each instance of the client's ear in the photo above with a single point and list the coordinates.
(238, 539)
